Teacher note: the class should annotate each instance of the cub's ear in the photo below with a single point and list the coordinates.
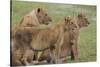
(68, 18)
(38, 10)
(80, 15)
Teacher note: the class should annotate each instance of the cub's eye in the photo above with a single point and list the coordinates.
(72, 28)
(71, 22)
(45, 14)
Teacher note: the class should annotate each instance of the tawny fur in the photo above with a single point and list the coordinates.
(34, 18)
(41, 38)
(71, 38)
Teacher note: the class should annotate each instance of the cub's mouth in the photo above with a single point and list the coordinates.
(86, 25)
(48, 23)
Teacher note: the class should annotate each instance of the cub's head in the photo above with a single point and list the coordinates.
(42, 16)
(82, 20)
(70, 24)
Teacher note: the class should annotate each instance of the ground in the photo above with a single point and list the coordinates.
(87, 47)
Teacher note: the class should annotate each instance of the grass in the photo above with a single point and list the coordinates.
(87, 47)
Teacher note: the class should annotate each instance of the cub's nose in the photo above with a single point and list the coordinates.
(47, 23)
(88, 22)
(50, 19)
